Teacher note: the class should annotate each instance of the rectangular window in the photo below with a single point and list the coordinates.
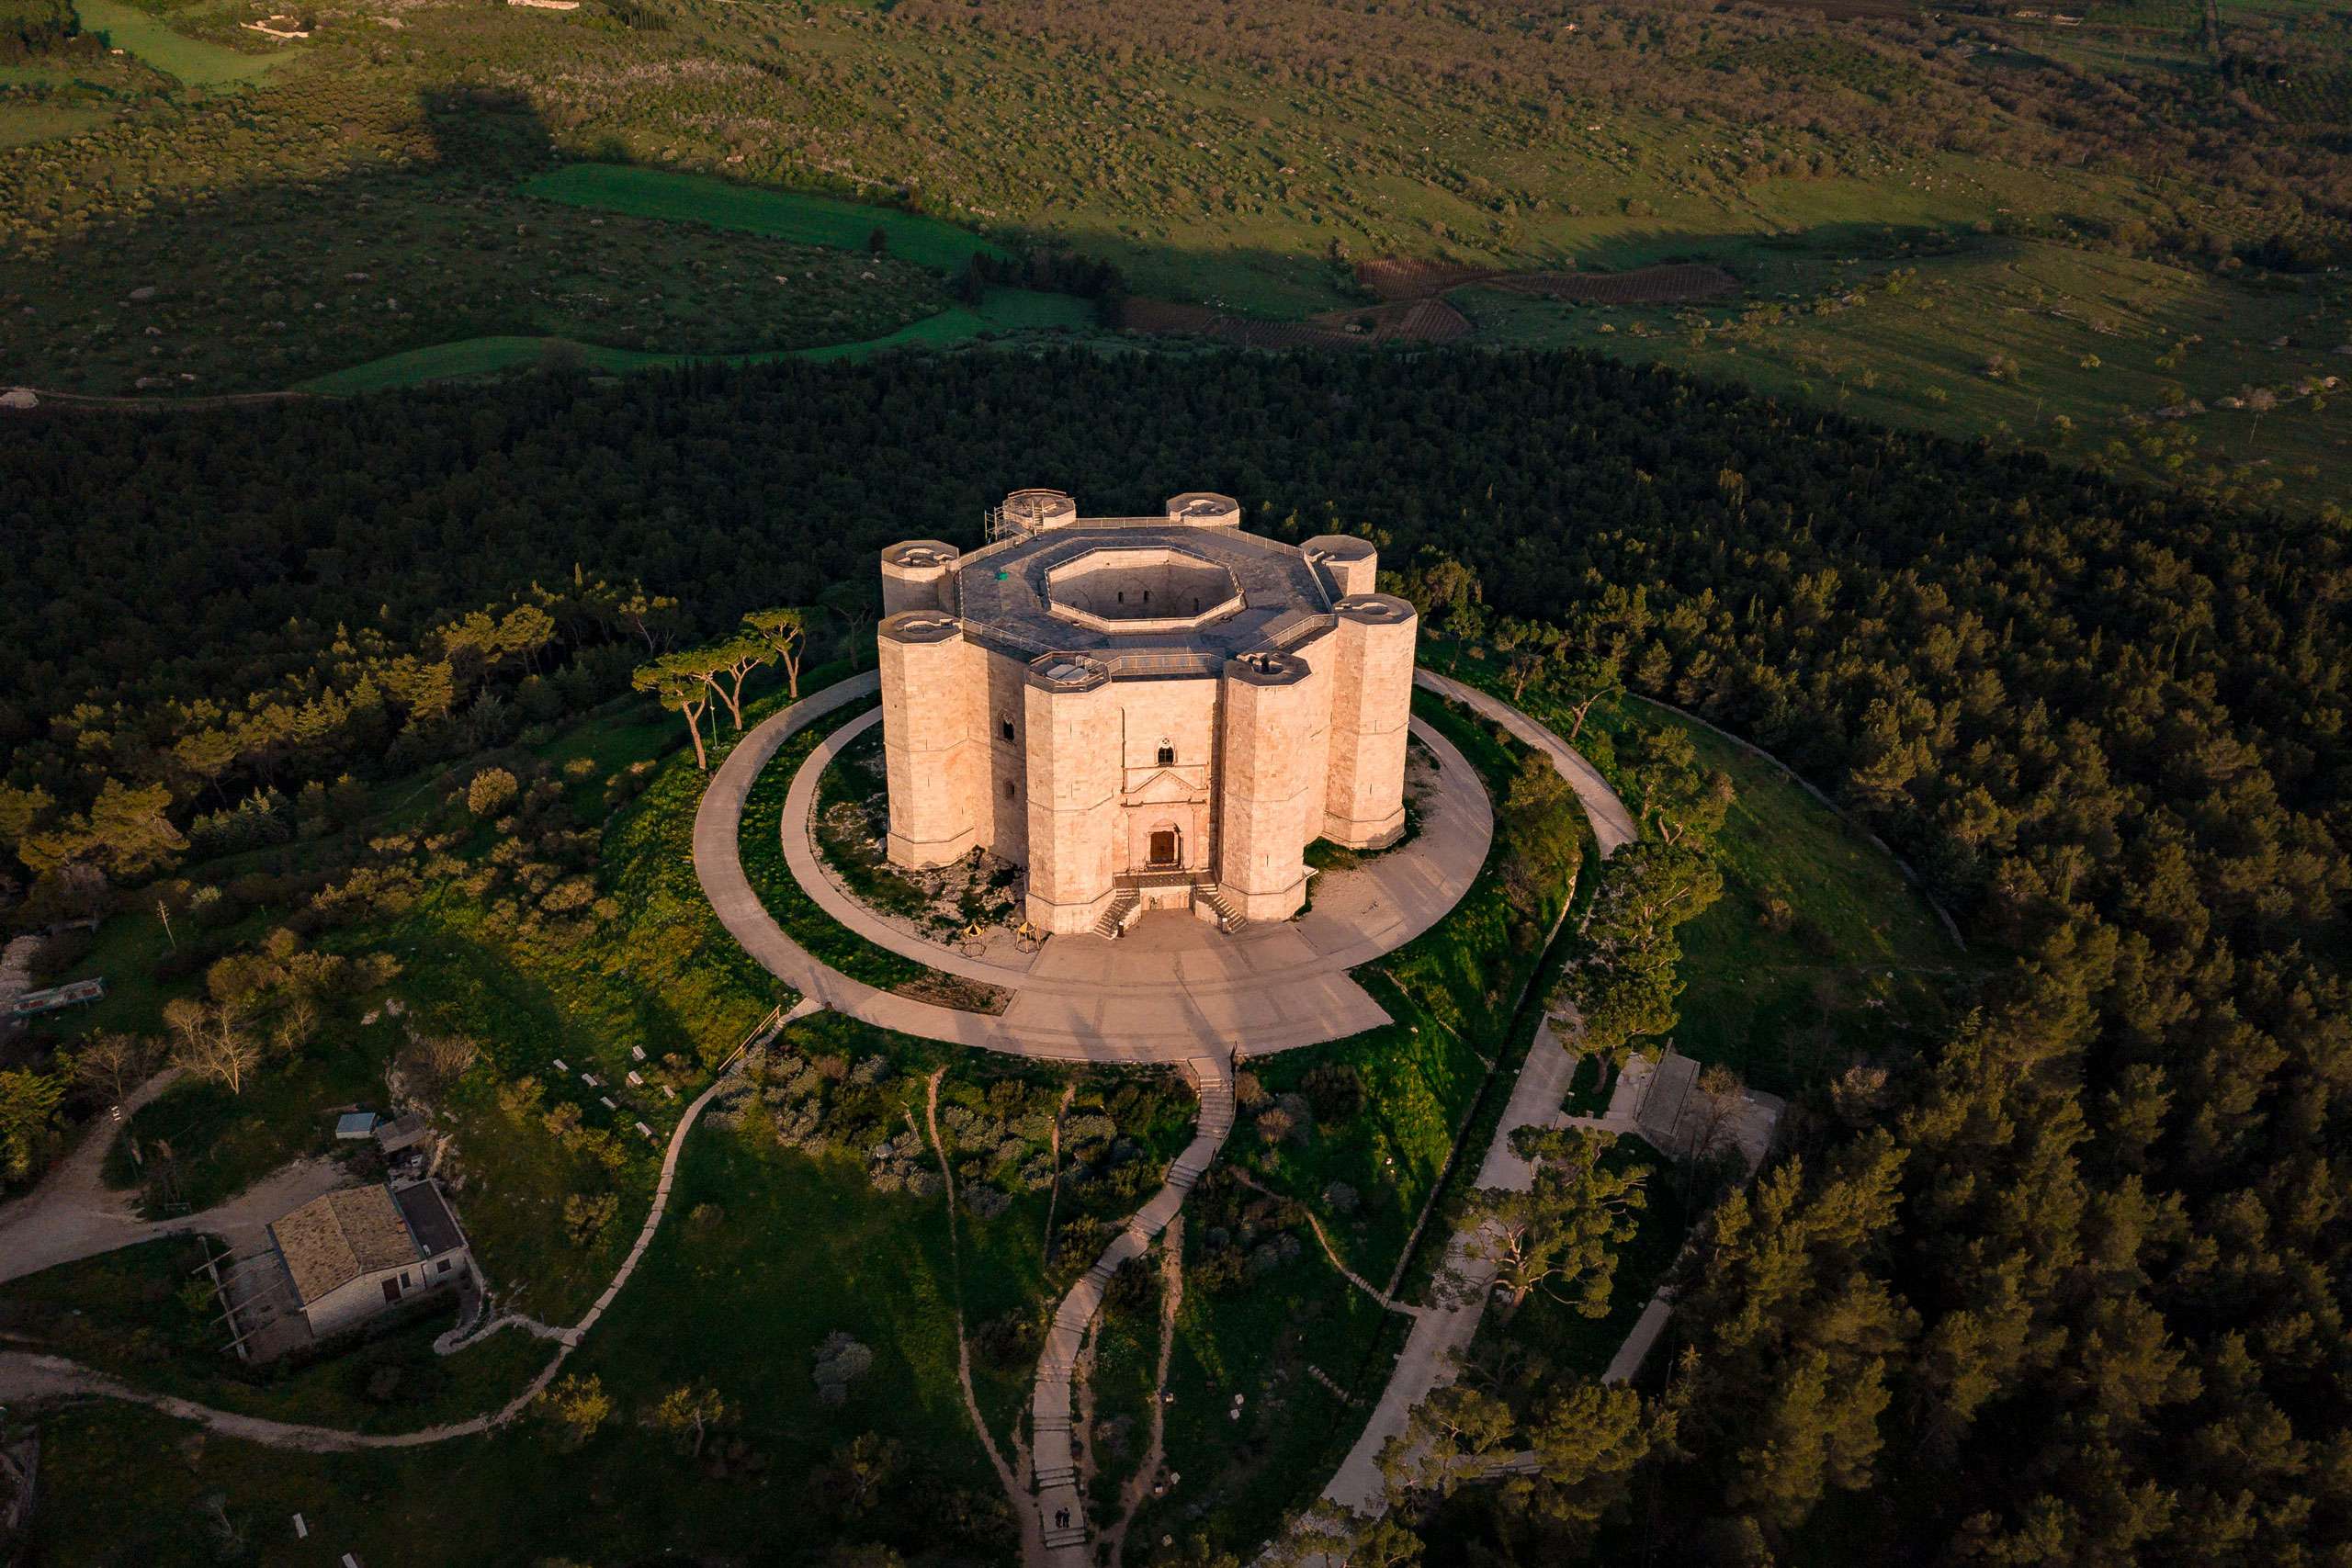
(1008, 789)
(444, 1265)
(1005, 726)
(1168, 756)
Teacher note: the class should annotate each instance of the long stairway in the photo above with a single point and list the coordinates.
(1053, 1460)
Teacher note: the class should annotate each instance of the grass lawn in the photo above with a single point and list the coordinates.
(1819, 943)
(807, 218)
(24, 120)
(195, 61)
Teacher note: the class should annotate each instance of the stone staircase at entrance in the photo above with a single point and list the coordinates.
(1118, 915)
(1229, 918)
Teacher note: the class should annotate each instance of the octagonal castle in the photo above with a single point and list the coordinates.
(1145, 712)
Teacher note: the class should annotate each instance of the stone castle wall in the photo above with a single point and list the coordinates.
(1087, 771)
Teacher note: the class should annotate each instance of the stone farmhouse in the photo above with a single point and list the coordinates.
(1142, 712)
(352, 1253)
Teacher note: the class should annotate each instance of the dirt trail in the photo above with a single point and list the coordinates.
(1009, 1475)
(1155, 1447)
(74, 1215)
(1061, 1501)
(1387, 1302)
(29, 1377)
(1053, 1197)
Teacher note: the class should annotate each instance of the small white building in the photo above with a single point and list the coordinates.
(351, 1254)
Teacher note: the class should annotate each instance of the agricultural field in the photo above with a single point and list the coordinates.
(2231, 387)
(457, 191)
(167, 46)
(1003, 311)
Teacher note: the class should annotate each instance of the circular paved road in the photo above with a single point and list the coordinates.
(1172, 989)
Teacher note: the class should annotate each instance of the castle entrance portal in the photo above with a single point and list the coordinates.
(1166, 848)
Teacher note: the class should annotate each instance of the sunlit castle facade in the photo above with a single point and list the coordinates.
(1144, 712)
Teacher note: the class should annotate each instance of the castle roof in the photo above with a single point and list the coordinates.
(1256, 594)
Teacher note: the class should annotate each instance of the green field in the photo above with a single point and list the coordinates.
(1004, 310)
(2032, 341)
(1819, 943)
(2046, 290)
(195, 61)
(801, 218)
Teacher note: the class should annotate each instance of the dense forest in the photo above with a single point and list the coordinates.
(2068, 1288)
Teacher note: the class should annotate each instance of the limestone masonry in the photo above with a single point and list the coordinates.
(1145, 712)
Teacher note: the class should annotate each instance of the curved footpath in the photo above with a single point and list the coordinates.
(1439, 1335)
(1060, 1502)
(24, 1376)
(73, 1213)
(1170, 990)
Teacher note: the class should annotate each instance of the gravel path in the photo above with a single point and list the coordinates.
(1442, 1333)
(1172, 989)
(73, 1213)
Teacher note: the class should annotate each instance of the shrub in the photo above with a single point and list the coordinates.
(490, 791)
(587, 1217)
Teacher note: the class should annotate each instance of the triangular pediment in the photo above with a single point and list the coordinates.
(1166, 787)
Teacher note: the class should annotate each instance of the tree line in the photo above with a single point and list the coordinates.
(2065, 1285)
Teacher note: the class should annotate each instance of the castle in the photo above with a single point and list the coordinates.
(1145, 712)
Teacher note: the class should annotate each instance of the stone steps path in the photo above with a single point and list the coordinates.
(1053, 1460)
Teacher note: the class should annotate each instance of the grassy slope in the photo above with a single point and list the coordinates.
(807, 218)
(1784, 1007)
(195, 61)
(768, 1252)
(1003, 310)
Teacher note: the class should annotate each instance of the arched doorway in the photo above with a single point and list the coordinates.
(1164, 849)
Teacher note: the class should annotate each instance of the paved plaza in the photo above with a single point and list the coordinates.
(1173, 988)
